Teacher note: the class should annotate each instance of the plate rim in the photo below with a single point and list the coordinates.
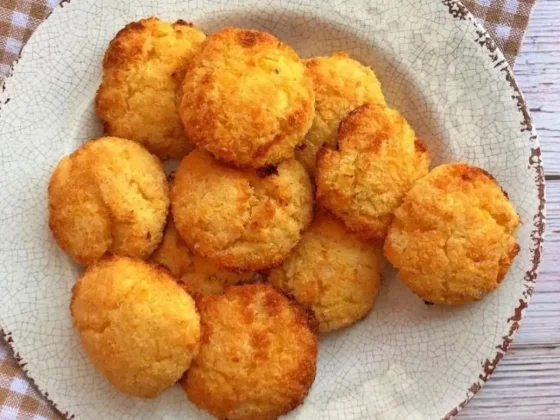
(460, 12)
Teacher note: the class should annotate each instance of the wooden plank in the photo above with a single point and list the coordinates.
(541, 325)
(538, 72)
(526, 384)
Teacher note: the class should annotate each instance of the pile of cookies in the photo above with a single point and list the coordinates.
(294, 178)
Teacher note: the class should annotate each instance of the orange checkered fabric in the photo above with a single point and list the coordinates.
(506, 20)
(18, 20)
(19, 400)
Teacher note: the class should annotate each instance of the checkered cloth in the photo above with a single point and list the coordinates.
(18, 398)
(506, 20)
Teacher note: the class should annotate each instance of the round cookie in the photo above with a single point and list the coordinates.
(333, 272)
(247, 98)
(257, 357)
(453, 237)
(138, 327)
(142, 71)
(198, 275)
(341, 85)
(109, 196)
(243, 219)
(377, 162)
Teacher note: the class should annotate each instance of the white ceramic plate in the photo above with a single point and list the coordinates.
(406, 360)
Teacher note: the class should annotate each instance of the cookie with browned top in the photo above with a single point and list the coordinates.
(109, 196)
(333, 272)
(377, 161)
(247, 98)
(142, 71)
(243, 219)
(257, 357)
(138, 327)
(453, 237)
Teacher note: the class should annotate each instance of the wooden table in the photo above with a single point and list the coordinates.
(526, 384)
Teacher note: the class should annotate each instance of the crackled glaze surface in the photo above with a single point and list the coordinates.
(406, 360)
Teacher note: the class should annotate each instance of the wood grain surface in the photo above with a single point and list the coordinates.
(526, 384)
(538, 72)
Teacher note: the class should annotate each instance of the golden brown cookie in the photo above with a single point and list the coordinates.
(453, 237)
(138, 327)
(198, 275)
(378, 160)
(247, 98)
(333, 272)
(109, 196)
(243, 219)
(142, 71)
(258, 355)
(341, 84)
